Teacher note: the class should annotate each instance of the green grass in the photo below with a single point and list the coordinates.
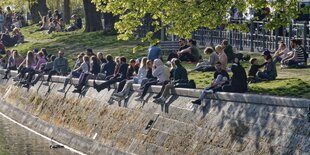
(290, 82)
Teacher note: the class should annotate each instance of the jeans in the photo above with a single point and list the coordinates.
(50, 74)
(147, 86)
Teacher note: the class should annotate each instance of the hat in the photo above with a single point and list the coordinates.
(266, 52)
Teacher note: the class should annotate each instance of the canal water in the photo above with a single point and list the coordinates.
(15, 140)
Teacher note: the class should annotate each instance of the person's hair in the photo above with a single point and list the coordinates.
(183, 39)
(116, 59)
(94, 59)
(43, 50)
(50, 20)
(89, 50)
(82, 54)
(122, 59)
(225, 42)
(294, 41)
(44, 19)
(132, 61)
(109, 57)
(86, 58)
(148, 61)
(268, 57)
(143, 62)
(173, 65)
(15, 52)
(299, 42)
(40, 54)
(218, 46)
(53, 57)
(29, 58)
(282, 42)
(193, 41)
(100, 53)
(218, 63)
(208, 50)
(253, 60)
(177, 62)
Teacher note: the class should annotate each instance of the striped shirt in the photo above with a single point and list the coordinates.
(299, 54)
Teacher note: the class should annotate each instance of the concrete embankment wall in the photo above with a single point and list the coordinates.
(226, 123)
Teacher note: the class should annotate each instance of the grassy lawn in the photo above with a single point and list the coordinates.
(290, 82)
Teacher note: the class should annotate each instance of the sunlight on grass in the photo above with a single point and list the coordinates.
(290, 82)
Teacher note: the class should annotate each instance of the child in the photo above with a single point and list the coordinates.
(253, 70)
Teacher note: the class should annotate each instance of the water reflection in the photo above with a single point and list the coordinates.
(14, 140)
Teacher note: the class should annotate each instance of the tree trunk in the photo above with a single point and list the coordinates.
(92, 17)
(67, 11)
(37, 10)
(109, 21)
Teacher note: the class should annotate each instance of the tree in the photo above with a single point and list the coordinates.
(67, 11)
(187, 16)
(38, 9)
(92, 17)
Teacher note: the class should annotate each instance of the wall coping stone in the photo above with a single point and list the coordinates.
(195, 93)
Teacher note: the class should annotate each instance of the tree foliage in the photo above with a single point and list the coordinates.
(185, 16)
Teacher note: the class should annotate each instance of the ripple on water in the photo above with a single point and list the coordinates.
(15, 140)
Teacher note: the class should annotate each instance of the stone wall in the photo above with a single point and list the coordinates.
(226, 123)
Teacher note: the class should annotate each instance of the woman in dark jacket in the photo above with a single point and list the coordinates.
(238, 81)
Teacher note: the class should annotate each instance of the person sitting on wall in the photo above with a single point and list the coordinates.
(228, 49)
(252, 75)
(161, 74)
(191, 53)
(183, 45)
(44, 69)
(270, 70)
(73, 74)
(109, 67)
(26, 66)
(40, 61)
(180, 79)
(85, 72)
(220, 78)
(13, 62)
(60, 67)
(119, 76)
(145, 66)
(154, 52)
(294, 58)
(238, 82)
(77, 24)
(131, 73)
(208, 65)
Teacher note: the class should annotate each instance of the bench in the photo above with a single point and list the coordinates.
(169, 46)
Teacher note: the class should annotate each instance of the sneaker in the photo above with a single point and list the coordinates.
(76, 91)
(139, 99)
(61, 90)
(139, 94)
(157, 96)
(210, 91)
(161, 100)
(120, 94)
(45, 83)
(198, 102)
(16, 79)
(26, 86)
